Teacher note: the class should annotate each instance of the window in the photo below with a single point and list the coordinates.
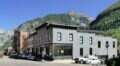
(90, 40)
(99, 44)
(113, 56)
(107, 44)
(47, 50)
(59, 36)
(90, 51)
(71, 36)
(113, 44)
(49, 37)
(36, 50)
(81, 51)
(63, 50)
(32, 50)
(81, 39)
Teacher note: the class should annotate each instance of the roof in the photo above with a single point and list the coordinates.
(98, 33)
(57, 25)
(92, 31)
(32, 34)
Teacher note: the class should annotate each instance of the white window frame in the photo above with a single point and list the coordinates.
(71, 36)
(91, 40)
(59, 36)
(81, 39)
(114, 44)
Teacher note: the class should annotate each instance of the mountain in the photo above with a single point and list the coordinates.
(109, 21)
(67, 19)
(5, 39)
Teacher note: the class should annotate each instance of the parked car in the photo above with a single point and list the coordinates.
(92, 57)
(48, 57)
(30, 57)
(6, 52)
(83, 60)
(13, 54)
(93, 61)
(88, 60)
(38, 57)
(23, 56)
(76, 60)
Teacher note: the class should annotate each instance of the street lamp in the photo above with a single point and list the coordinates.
(107, 46)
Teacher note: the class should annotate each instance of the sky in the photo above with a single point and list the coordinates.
(16, 12)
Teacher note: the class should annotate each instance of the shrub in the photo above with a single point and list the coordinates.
(114, 62)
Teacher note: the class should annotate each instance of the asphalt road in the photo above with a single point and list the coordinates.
(13, 62)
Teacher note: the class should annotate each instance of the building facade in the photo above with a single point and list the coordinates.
(64, 41)
(92, 44)
(20, 41)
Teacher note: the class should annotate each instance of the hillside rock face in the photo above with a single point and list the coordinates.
(67, 19)
(109, 21)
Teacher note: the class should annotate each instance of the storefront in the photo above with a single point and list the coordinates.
(62, 51)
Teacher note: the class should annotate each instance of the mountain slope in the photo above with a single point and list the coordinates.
(67, 19)
(109, 21)
(5, 39)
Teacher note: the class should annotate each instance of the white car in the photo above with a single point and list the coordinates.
(83, 60)
(92, 57)
(89, 60)
(93, 61)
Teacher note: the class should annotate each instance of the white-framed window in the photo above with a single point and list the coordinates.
(113, 44)
(81, 39)
(71, 36)
(90, 51)
(107, 44)
(91, 40)
(59, 36)
(99, 44)
(81, 51)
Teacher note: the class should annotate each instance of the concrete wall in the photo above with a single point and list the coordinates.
(96, 51)
(65, 38)
(23, 41)
(86, 44)
(103, 50)
(65, 35)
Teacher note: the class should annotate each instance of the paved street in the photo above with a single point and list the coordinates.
(12, 62)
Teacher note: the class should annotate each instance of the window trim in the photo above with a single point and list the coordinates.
(59, 36)
(70, 36)
(81, 51)
(99, 44)
(91, 40)
(91, 51)
(81, 39)
(107, 44)
(114, 44)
